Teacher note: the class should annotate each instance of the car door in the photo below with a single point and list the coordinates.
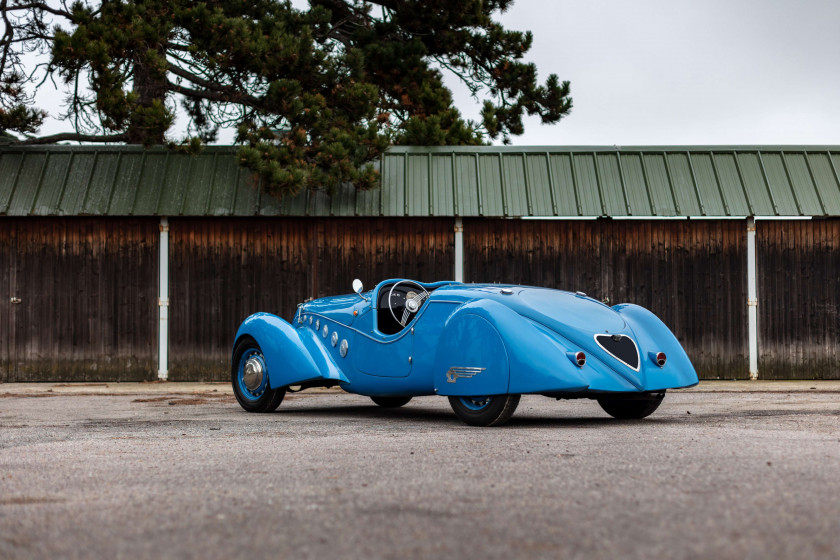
(383, 356)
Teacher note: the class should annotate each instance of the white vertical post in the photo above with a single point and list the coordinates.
(752, 298)
(459, 250)
(163, 301)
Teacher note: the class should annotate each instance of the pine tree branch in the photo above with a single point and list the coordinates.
(170, 46)
(217, 91)
(467, 80)
(40, 6)
(8, 36)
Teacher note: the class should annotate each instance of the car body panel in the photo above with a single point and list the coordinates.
(467, 340)
(383, 358)
(471, 358)
(293, 355)
(654, 336)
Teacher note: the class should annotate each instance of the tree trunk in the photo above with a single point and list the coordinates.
(149, 120)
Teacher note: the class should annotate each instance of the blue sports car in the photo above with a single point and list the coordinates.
(481, 345)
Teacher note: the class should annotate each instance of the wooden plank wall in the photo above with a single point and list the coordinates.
(799, 299)
(226, 269)
(8, 244)
(88, 291)
(89, 285)
(374, 250)
(692, 274)
(221, 271)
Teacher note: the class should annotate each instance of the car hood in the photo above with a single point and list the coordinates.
(342, 309)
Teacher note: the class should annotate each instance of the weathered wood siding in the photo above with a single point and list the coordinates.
(88, 293)
(692, 274)
(224, 270)
(88, 286)
(8, 229)
(373, 250)
(799, 299)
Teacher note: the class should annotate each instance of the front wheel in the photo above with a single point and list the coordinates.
(632, 408)
(493, 410)
(249, 375)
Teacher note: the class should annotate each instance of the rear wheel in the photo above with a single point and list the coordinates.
(632, 408)
(390, 402)
(492, 410)
(249, 375)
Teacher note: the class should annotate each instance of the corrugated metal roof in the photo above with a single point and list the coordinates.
(551, 181)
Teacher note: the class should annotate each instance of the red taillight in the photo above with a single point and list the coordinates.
(660, 359)
(578, 358)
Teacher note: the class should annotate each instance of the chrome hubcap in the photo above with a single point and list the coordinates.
(252, 373)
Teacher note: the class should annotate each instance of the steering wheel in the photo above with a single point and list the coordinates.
(413, 301)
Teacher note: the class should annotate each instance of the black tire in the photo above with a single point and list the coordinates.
(390, 402)
(632, 408)
(494, 410)
(263, 399)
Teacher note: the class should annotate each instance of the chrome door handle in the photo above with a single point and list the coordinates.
(15, 299)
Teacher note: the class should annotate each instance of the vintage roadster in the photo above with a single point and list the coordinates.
(481, 345)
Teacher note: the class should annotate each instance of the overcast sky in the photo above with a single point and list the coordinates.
(688, 72)
(653, 72)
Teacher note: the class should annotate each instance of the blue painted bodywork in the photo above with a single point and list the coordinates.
(468, 340)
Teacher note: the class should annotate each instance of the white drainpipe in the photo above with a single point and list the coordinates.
(459, 250)
(752, 298)
(163, 301)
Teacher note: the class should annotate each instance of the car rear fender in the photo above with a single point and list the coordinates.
(486, 348)
(293, 356)
(654, 336)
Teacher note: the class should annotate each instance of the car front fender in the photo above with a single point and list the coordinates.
(293, 356)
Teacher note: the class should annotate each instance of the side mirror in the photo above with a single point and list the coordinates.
(357, 287)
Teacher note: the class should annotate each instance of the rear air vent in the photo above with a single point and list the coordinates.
(620, 347)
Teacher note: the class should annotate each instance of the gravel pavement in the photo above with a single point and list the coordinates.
(747, 470)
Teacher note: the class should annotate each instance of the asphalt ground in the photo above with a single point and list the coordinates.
(169, 470)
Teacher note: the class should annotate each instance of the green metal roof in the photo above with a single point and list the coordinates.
(551, 181)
